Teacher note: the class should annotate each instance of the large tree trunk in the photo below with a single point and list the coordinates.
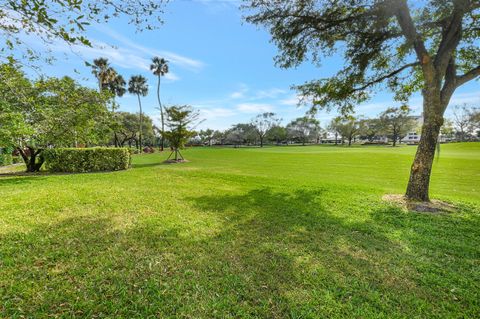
(418, 184)
(30, 160)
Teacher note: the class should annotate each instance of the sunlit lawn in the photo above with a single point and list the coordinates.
(279, 232)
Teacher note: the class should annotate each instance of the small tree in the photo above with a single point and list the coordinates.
(262, 123)
(396, 122)
(303, 128)
(180, 121)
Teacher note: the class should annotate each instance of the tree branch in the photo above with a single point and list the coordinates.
(451, 35)
(470, 75)
(406, 24)
(384, 77)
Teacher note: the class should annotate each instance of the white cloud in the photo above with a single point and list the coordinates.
(240, 93)
(217, 112)
(174, 58)
(254, 107)
(270, 93)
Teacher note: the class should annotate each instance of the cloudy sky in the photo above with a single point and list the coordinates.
(218, 64)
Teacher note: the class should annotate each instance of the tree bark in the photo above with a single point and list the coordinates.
(161, 114)
(31, 161)
(418, 184)
(141, 125)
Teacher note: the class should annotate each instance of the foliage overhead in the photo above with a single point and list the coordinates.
(67, 20)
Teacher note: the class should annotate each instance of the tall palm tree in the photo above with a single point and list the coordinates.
(117, 88)
(138, 85)
(103, 72)
(159, 67)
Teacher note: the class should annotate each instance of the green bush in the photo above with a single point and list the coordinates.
(17, 159)
(82, 160)
(6, 159)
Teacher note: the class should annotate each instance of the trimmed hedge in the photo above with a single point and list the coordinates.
(83, 160)
(6, 159)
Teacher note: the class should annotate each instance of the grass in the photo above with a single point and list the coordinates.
(279, 232)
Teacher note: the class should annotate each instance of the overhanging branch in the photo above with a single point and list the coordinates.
(384, 77)
(472, 74)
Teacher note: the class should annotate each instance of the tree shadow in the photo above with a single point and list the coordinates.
(263, 253)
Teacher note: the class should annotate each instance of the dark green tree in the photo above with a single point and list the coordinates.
(429, 46)
(138, 85)
(277, 134)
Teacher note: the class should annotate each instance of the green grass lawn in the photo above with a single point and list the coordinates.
(279, 232)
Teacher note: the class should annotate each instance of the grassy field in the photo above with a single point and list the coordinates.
(279, 232)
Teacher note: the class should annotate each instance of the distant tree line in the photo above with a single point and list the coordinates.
(390, 126)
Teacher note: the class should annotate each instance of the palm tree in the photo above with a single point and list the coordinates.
(117, 88)
(159, 67)
(138, 86)
(103, 72)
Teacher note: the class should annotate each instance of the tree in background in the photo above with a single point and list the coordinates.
(127, 129)
(102, 71)
(206, 136)
(447, 130)
(430, 48)
(138, 86)
(349, 127)
(262, 123)
(462, 117)
(50, 112)
(396, 122)
(371, 129)
(53, 21)
(475, 119)
(334, 126)
(240, 134)
(181, 121)
(303, 129)
(277, 134)
(219, 137)
(159, 67)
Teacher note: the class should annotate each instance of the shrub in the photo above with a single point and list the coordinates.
(82, 160)
(17, 159)
(6, 159)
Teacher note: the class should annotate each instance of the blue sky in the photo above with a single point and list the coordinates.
(218, 64)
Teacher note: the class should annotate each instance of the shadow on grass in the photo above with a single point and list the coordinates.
(258, 254)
